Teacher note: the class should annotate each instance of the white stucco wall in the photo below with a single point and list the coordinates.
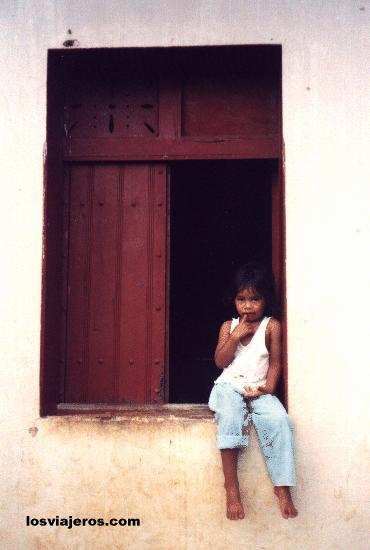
(120, 468)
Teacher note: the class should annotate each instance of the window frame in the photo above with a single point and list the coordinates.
(52, 266)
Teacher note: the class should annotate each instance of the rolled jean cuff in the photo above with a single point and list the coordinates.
(284, 483)
(287, 479)
(232, 441)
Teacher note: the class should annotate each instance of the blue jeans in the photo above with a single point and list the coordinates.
(274, 428)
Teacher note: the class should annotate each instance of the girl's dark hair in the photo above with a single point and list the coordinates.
(255, 275)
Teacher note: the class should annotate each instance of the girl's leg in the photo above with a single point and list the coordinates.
(231, 415)
(275, 433)
(234, 506)
(287, 508)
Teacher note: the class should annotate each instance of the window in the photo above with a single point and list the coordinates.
(163, 172)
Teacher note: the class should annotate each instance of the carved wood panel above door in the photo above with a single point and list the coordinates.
(174, 105)
(108, 105)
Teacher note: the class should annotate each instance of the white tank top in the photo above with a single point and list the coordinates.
(251, 362)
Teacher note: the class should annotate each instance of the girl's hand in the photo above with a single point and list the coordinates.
(251, 392)
(243, 329)
(256, 392)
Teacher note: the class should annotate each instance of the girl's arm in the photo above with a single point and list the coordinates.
(226, 346)
(273, 344)
(227, 343)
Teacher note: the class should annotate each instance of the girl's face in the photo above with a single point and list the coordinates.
(251, 304)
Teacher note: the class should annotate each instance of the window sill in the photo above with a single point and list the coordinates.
(102, 411)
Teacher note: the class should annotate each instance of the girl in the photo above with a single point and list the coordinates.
(248, 351)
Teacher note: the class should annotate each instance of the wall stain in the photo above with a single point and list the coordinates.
(349, 515)
(33, 431)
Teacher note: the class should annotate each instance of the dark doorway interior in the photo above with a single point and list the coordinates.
(220, 217)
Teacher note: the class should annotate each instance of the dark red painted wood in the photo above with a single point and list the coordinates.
(106, 276)
(278, 215)
(51, 341)
(105, 149)
(243, 105)
(158, 333)
(163, 92)
(174, 104)
(276, 238)
(278, 267)
(143, 287)
(283, 283)
(78, 294)
(99, 106)
(167, 287)
(116, 284)
(169, 99)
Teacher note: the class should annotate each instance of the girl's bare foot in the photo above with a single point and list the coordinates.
(287, 507)
(234, 507)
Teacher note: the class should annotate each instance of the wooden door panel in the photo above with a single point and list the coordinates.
(135, 258)
(116, 281)
(159, 275)
(143, 286)
(239, 106)
(77, 351)
(104, 250)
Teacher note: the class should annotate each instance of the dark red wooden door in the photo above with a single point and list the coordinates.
(116, 299)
